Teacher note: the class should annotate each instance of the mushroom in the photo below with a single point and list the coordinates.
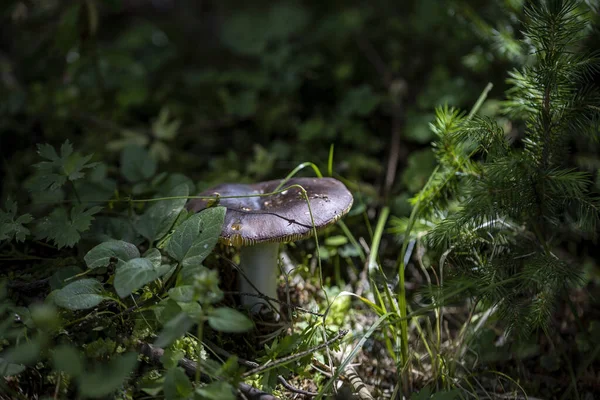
(258, 224)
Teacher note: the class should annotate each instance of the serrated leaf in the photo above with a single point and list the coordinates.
(133, 275)
(13, 228)
(64, 229)
(136, 164)
(55, 172)
(100, 256)
(218, 390)
(160, 216)
(196, 237)
(80, 295)
(45, 180)
(68, 359)
(48, 152)
(173, 330)
(225, 319)
(106, 379)
(177, 385)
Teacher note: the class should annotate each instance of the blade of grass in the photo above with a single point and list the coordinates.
(330, 161)
(351, 356)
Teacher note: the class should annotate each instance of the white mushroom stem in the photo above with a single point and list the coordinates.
(259, 264)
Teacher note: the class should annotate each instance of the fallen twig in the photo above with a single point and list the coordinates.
(286, 360)
(155, 353)
(216, 349)
(293, 389)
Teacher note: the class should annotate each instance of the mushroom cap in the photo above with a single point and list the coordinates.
(281, 217)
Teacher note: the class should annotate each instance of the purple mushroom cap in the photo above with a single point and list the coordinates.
(281, 217)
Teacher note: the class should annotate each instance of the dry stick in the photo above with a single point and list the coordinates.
(293, 389)
(286, 360)
(155, 353)
(224, 353)
(251, 364)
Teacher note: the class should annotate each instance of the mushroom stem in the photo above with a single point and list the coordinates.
(259, 264)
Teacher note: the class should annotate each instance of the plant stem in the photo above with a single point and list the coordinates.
(199, 333)
(480, 100)
(75, 192)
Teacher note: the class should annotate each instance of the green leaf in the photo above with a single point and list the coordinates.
(195, 238)
(360, 101)
(336, 241)
(45, 317)
(64, 229)
(13, 228)
(54, 173)
(420, 166)
(133, 275)
(216, 391)
(173, 330)
(68, 359)
(154, 256)
(80, 295)
(100, 256)
(160, 151)
(183, 293)
(136, 164)
(96, 187)
(192, 309)
(164, 129)
(158, 219)
(171, 357)
(10, 369)
(26, 352)
(177, 385)
(174, 180)
(249, 33)
(106, 379)
(166, 310)
(57, 280)
(241, 105)
(47, 151)
(225, 319)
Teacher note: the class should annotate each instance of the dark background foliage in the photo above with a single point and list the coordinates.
(257, 88)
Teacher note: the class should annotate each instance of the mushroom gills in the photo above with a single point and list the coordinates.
(259, 264)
